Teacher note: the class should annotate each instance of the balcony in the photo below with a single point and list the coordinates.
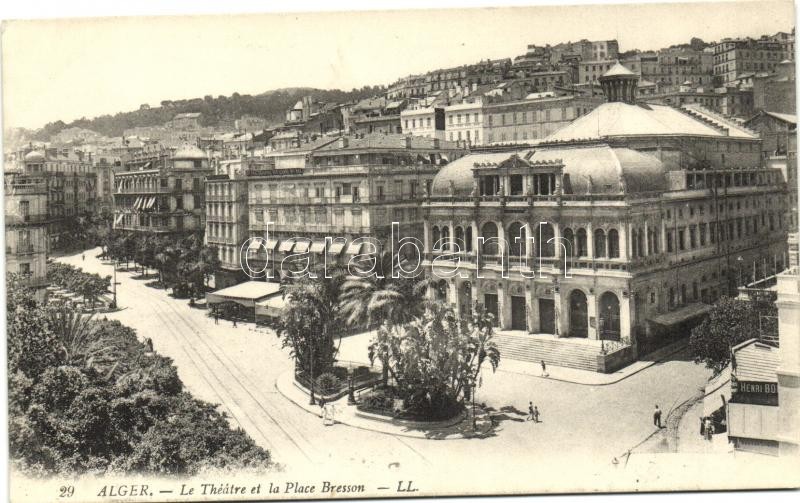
(222, 240)
(221, 218)
(145, 228)
(26, 219)
(137, 190)
(21, 249)
(301, 227)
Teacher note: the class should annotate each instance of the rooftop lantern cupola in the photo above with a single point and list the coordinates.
(619, 84)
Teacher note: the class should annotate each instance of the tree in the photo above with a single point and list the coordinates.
(311, 319)
(436, 359)
(373, 297)
(729, 323)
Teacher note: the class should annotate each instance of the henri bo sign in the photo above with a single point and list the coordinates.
(755, 392)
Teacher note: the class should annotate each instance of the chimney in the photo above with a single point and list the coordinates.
(343, 142)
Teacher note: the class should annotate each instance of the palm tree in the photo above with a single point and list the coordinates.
(79, 343)
(373, 297)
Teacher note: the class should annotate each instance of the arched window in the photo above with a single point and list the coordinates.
(490, 241)
(544, 234)
(569, 238)
(634, 243)
(613, 243)
(445, 238)
(599, 243)
(640, 243)
(580, 243)
(516, 239)
(436, 236)
(459, 239)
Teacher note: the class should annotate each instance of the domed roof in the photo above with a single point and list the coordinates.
(34, 156)
(593, 169)
(618, 70)
(189, 152)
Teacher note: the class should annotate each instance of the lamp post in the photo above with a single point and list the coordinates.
(311, 370)
(739, 261)
(474, 420)
(351, 398)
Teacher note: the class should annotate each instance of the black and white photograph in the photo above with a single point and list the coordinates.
(418, 251)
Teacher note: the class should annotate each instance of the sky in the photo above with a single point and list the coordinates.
(70, 68)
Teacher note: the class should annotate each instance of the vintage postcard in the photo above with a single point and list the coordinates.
(409, 253)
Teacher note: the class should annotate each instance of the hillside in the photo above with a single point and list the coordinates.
(271, 105)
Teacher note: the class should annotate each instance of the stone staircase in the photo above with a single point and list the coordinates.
(559, 352)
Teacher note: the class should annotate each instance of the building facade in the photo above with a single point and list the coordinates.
(353, 187)
(638, 216)
(734, 57)
(26, 218)
(162, 191)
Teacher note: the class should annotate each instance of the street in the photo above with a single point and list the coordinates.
(238, 367)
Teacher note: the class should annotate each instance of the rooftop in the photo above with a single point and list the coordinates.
(623, 119)
(755, 361)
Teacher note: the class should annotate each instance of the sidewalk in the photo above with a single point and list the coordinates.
(354, 348)
(346, 414)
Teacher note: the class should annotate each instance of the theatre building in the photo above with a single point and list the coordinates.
(610, 238)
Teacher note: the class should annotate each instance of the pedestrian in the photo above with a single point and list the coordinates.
(83, 257)
(544, 369)
(216, 318)
(535, 414)
(530, 412)
(657, 417)
(234, 322)
(708, 427)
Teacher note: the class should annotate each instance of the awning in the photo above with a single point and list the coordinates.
(680, 315)
(152, 202)
(336, 247)
(286, 246)
(271, 307)
(354, 248)
(136, 203)
(302, 246)
(246, 294)
(255, 243)
(318, 246)
(271, 244)
(118, 219)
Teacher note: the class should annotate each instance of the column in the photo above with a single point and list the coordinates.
(426, 236)
(624, 232)
(625, 316)
(474, 226)
(451, 235)
(533, 307)
(560, 321)
(501, 236)
(589, 241)
(501, 305)
(591, 312)
(646, 240)
(556, 243)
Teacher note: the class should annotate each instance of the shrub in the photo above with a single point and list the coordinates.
(328, 383)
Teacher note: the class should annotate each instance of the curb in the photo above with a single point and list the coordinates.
(420, 436)
(621, 378)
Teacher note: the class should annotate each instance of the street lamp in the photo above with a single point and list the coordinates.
(739, 261)
(311, 369)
